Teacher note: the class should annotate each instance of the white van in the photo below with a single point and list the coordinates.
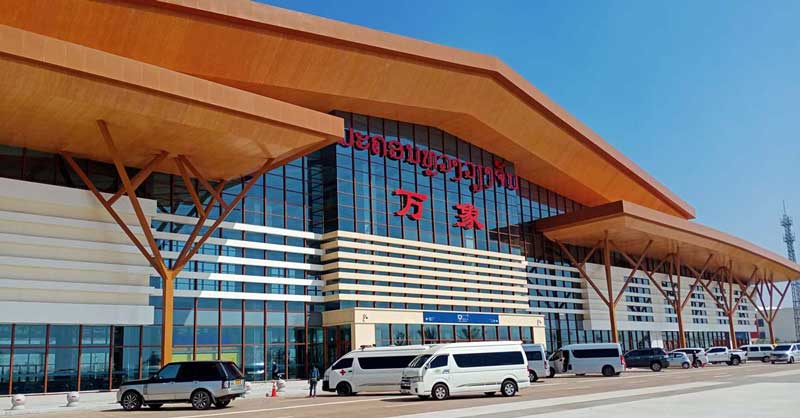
(449, 369)
(538, 365)
(370, 369)
(757, 351)
(581, 359)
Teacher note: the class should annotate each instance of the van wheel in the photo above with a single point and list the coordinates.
(201, 400)
(440, 392)
(552, 372)
(736, 361)
(608, 371)
(508, 388)
(131, 400)
(764, 359)
(791, 360)
(344, 389)
(655, 366)
(534, 377)
(686, 365)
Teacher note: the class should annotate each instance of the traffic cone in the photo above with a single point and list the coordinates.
(274, 390)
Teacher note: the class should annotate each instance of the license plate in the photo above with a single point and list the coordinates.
(238, 381)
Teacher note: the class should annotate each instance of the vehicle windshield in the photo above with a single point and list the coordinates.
(783, 348)
(419, 361)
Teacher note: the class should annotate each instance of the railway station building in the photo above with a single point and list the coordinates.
(188, 180)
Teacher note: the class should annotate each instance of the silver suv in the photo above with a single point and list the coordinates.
(201, 383)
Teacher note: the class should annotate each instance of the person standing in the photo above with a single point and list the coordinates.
(274, 370)
(312, 381)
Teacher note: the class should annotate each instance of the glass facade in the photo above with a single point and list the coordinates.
(266, 312)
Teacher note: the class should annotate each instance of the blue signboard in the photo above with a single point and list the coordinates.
(460, 318)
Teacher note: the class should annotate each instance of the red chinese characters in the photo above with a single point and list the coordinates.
(411, 200)
(468, 216)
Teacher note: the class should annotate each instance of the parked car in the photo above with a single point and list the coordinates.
(580, 359)
(457, 368)
(538, 365)
(653, 358)
(370, 369)
(679, 359)
(696, 355)
(757, 351)
(789, 353)
(731, 357)
(201, 383)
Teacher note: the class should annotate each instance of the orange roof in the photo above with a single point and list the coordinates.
(54, 92)
(631, 226)
(326, 65)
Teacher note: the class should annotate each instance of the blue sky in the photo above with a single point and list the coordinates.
(704, 95)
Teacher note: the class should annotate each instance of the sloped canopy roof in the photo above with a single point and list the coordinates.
(631, 226)
(54, 93)
(326, 65)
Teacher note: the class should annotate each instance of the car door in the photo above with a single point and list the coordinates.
(634, 358)
(716, 354)
(186, 380)
(439, 368)
(162, 386)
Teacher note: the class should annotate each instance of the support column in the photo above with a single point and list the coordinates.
(612, 314)
(195, 240)
(168, 302)
(731, 309)
(678, 302)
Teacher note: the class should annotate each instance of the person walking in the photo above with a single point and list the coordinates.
(312, 381)
(274, 370)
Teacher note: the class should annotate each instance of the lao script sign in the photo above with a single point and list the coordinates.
(433, 162)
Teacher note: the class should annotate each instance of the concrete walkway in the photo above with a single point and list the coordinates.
(95, 401)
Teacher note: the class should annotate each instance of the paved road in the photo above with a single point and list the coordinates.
(751, 390)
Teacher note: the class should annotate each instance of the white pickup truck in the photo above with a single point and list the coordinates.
(731, 357)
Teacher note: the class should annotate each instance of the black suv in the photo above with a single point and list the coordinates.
(653, 358)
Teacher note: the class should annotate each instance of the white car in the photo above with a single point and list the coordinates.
(581, 359)
(538, 366)
(757, 351)
(696, 355)
(679, 359)
(789, 353)
(457, 368)
(370, 369)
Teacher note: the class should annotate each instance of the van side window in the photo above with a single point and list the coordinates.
(506, 358)
(388, 362)
(533, 355)
(439, 361)
(596, 353)
(344, 363)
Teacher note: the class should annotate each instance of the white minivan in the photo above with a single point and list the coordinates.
(370, 369)
(537, 361)
(449, 369)
(580, 359)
